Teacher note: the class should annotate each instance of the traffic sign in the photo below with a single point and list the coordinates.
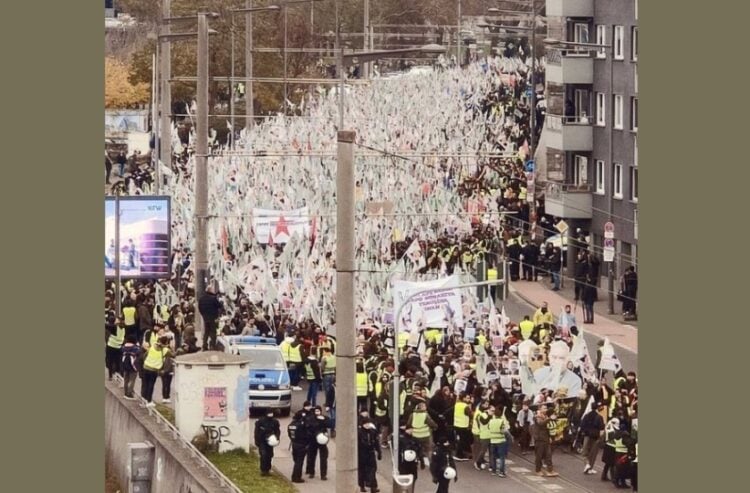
(530, 165)
(609, 249)
(609, 230)
(562, 226)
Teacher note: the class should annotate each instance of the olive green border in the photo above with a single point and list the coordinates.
(52, 175)
(693, 125)
(693, 182)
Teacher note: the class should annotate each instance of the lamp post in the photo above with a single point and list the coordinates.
(248, 11)
(200, 211)
(593, 46)
(346, 398)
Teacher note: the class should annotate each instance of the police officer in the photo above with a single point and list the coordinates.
(265, 428)
(299, 432)
(410, 453)
(368, 449)
(318, 425)
(441, 461)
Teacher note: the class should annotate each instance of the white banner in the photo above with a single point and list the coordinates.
(433, 305)
(279, 226)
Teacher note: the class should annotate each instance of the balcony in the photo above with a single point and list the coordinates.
(570, 66)
(570, 8)
(568, 201)
(569, 133)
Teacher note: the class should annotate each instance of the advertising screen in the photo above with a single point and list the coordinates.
(145, 243)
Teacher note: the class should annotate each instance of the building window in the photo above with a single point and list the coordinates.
(635, 150)
(580, 32)
(634, 184)
(619, 40)
(635, 224)
(634, 43)
(635, 79)
(600, 109)
(634, 114)
(600, 177)
(617, 181)
(636, 9)
(601, 39)
(581, 170)
(617, 110)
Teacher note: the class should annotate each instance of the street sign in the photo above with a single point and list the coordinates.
(609, 230)
(530, 165)
(562, 226)
(609, 250)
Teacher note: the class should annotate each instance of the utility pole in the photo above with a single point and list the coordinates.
(346, 398)
(532, 146)
(611, 265)
(248, 70)
(286, 83)
(458, 36)
(201, 169)
(118, 280)
(165, 71)
(365, 41)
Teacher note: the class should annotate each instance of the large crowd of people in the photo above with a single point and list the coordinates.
(447, 151)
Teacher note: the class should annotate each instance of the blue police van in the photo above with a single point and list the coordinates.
(269, 378)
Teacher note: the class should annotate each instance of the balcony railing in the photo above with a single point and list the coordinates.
(568, 200)
(570, 8)
(570, 66)
(569, 133)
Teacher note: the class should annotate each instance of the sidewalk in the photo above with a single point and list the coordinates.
(610, 326)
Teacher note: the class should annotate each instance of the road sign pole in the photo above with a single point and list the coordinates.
(609, 257)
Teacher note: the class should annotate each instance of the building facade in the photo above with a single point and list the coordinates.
(591, 127)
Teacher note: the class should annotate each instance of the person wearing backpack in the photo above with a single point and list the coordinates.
(266, 427)
(299, 433)
(130, 364)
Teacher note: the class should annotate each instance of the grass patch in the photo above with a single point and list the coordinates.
(167, 412)
(244, 471)
(241, 468)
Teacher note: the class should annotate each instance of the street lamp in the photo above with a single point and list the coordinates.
(248, 64)
(346, 462)
(286, 81)
(595, 46)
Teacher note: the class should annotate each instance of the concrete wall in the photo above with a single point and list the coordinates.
(175, 470)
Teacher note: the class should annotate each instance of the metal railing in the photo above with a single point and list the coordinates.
(554, 56)
(554, 190)
(556, 122)
(213, 471)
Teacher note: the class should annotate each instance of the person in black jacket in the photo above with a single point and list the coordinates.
(265, 427)
(408, 442)
(442, 458)
(530, 253)
(300, 434)
(588, 297)
(318, 424)
(592, 428)
(368, 448)
(554, 263)
(210, 308)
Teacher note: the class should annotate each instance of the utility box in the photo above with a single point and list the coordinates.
(403, 483)
(211, 398)
(141, 467)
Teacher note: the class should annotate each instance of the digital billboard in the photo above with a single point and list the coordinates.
(145, 242)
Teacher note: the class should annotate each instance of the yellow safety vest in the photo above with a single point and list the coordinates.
(154, 359)
(295, 355)
(361, 384)
(116, 340)
(475, 422)
(460, 419)
(420, 429)
(128, 314)
(484, 430)
(403, 338)
(497, 430)
(492, 274)
(522, 194)
(620, 447)
(481, 340)
(527, 327)
(330, 365)
(154, 338)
